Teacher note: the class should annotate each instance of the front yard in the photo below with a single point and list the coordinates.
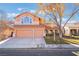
(74, 41)
(50, 40)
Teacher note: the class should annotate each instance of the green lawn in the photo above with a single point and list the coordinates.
(74, 41)
(77, 37)
(50, 40)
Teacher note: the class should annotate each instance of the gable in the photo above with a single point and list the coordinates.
(27, 18)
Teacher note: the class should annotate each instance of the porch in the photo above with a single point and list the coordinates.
(74, 32)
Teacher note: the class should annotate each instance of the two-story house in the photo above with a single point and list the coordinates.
(28, 25)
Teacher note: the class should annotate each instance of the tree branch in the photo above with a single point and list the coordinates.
(71, 17)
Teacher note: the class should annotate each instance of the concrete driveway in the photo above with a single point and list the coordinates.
(23, 43)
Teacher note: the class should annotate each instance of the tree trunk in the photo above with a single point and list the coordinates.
(54, 36)
(61, 37)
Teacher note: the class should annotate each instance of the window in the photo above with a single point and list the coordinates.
(26, 20)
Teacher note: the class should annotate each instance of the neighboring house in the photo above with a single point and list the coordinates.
(28, 25)
(51, 28)
(72, 29)
(7, 32)
(5, 29)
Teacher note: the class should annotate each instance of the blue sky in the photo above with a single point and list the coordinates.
(12, 9)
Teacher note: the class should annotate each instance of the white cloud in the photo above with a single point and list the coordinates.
(11, 15)
(25, 9)
(33, 11)
(74, 21)
(64, 20)
(41, 12)
(20, 9)
(70, 21)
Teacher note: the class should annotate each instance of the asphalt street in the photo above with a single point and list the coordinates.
(37, 52)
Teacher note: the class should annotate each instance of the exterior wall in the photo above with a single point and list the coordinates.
(39, 32)
(72, 26)
(67, 31)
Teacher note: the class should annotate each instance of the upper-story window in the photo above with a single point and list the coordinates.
(26, 20)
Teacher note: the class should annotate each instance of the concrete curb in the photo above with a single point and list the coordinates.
(4, 41)
(62, 46)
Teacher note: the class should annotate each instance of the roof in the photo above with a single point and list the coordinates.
(51, 26)
(29, 13)
(73, 25)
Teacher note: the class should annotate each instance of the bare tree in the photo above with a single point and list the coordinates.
(57, 11)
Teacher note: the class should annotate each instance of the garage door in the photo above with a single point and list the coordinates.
(24, 33)
(29, 33)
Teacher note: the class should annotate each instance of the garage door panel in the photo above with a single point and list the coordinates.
(25, 33)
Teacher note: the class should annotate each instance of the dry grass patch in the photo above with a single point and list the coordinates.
(74, 41)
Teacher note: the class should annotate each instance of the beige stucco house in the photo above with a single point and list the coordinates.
(72, 29)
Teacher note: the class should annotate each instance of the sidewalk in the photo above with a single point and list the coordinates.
(62, 46)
